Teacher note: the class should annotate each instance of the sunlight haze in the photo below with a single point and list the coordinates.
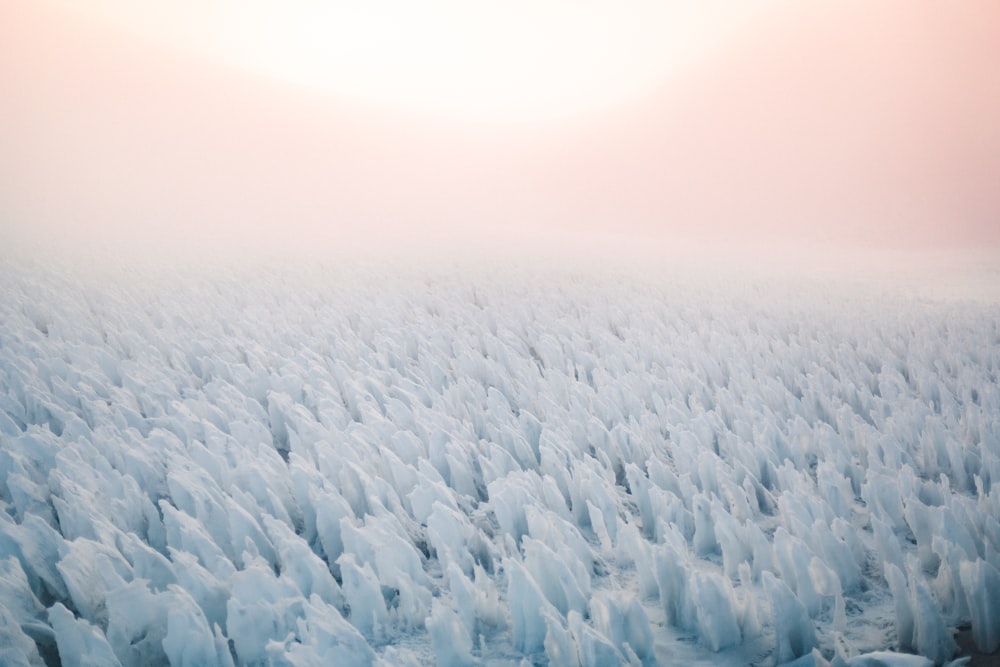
(226, 126)
(492, 333)
(472, 61)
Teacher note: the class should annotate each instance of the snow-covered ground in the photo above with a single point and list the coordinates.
(349, 465)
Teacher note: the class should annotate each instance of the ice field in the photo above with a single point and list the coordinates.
(344, 465)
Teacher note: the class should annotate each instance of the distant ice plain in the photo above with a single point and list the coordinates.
(446, 463)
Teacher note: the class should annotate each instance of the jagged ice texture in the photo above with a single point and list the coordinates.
(334, 465)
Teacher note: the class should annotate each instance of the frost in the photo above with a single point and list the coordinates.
(528, 610)
(337, 465)
(80, 643)
(980, 581)
(794, 632)
(450, 637)
(16, 648)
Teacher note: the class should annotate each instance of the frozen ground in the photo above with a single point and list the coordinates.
(344, 465)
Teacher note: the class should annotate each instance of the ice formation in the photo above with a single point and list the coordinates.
(332, 466)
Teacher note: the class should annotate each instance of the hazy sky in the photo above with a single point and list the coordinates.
(304, 122)
(458, 59)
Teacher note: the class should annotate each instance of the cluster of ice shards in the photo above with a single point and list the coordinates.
(332, 466)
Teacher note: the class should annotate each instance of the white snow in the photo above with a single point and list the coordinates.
(357, 465)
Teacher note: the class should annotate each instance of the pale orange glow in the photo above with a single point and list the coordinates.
(189, 124)
(479, 60)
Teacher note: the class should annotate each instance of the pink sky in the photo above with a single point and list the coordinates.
(848, 122)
